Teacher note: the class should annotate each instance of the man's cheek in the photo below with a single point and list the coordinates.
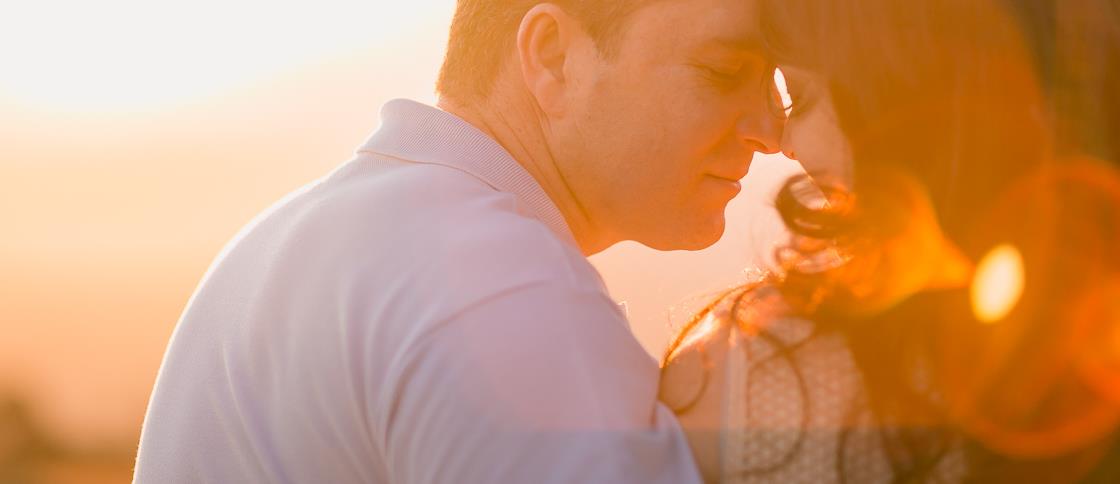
(721, 117)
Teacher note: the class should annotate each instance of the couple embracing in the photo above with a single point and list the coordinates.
(425, 313)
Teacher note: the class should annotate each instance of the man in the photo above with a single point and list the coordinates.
(426, 314)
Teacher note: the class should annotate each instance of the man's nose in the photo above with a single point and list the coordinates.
(761, 129)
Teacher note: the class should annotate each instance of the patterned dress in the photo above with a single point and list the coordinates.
(790, 399)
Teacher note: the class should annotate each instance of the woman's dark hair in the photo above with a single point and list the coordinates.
(974, 124)
(1076, 47)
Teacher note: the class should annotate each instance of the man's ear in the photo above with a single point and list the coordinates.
(546, 40)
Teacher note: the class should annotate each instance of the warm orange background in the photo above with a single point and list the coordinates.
(117, 193)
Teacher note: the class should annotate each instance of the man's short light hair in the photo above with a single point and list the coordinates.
(483, 32)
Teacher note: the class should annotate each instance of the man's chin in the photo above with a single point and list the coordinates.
(694, 237)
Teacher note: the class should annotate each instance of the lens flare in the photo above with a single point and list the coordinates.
(997, 284)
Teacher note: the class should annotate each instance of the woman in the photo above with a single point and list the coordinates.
(946, 309)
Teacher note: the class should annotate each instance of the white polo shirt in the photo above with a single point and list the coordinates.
(420, 315)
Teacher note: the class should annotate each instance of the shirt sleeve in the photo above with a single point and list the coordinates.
(543, 384)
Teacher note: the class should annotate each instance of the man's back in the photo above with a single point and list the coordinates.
(405, 321)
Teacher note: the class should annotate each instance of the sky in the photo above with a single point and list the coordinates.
(139, 136)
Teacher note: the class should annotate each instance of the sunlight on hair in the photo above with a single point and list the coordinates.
(703, 330)
(997, 284)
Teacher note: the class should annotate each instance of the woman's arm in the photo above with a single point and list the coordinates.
(693, 385)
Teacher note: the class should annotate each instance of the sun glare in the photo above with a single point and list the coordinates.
(997, 284)
(783, 90)
(127, 54)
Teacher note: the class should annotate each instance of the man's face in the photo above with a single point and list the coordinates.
(661, 132)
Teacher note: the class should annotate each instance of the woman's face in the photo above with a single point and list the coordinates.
(812, 133)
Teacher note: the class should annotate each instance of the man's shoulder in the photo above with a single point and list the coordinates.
(429, 226)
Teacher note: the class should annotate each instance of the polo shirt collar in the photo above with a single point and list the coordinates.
(420, 133)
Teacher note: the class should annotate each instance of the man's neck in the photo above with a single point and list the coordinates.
(521, 134)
